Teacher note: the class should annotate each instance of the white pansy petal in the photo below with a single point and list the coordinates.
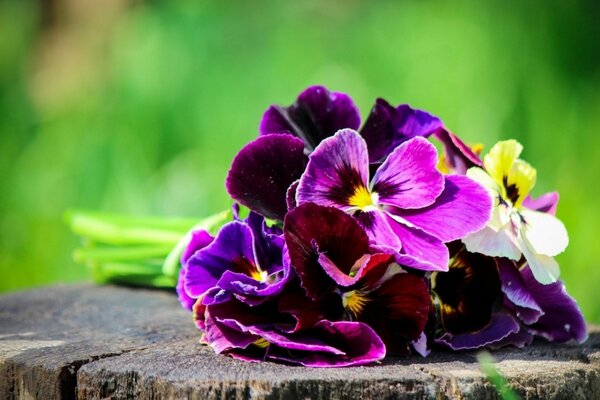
(544, 232)
(493, 243)
(545, 269)
(500, 217)
(482, 177)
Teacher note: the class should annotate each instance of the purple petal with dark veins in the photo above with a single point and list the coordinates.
(409, 178)
(463, 207)
(251, 291)
(420, 249)
(458, 155)
(232, 250)
(262, 172)
(316, 115)
(562, 320)
(311, 229)
(387, 127)
(517, 292)
(335, 171)
(468, 292)
(545, 203)
(376, 224)
(223, 338)
(501, 326)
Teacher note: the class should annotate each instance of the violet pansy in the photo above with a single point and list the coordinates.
(408, 206)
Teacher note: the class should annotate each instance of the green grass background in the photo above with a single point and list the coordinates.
(139, 107)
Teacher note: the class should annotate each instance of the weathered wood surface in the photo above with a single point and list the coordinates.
(90, 342)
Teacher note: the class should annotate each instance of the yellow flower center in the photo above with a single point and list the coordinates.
(363, 199)
(354, 301)
(262, 343)
(259, 275)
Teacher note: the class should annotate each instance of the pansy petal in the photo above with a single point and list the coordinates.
(519, 339)
(408, 178)
(387, 127)
(223, 338)
(493, 243)
(484, 179)
(290, 196)
(458, 155)
(545, 268)
(199, 239)
(268, 243)
(545, 233)
(546, 203)
(336, 171)
(262, 172)
(463, 207)
(311, 229)
(232, 250)
(429, 251)
(467, 292)
(501, 326)
(316, 115)
(376, 224)
(517, 292)
(398, 310)
(563, 320)
(500, 159)
(360, 344)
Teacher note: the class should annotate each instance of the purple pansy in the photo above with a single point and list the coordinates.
(263, 171)
(265, 332)
(199, 239)
(330, 252)
(408, 206)
(245, 258)
(316, 115)
(521, 310)
(387, 127)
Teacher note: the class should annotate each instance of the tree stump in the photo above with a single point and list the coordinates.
(96, 342)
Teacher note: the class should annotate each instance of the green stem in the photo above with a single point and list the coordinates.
(211, 224)
(486, 363)
(87, 254)
(118, 233)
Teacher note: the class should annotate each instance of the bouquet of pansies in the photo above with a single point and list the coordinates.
(347, 243)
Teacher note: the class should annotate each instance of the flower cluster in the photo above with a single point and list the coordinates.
(362, 242)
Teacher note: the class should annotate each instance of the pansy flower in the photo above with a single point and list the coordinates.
(514, 229)
(198, 239)
(260, 333)
(494, 302)
(263, 171)
(245, 258)
(407, 207)
(331, 255)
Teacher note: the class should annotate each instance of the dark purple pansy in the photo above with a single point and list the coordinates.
(547, 310)
(408, 207)
(262, 172)
(387, 127)
(330, 252)
(316, 115)
(468, 292)
(261, 333)
(198, 240)
(245, 258)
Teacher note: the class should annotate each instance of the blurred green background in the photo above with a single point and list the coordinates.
(139, 106)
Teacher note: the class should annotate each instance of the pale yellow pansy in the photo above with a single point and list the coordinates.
(513, 230)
